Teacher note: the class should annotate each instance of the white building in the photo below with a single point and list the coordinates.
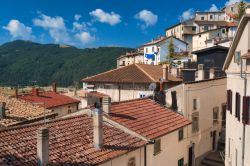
(237, 67)
(156, 51)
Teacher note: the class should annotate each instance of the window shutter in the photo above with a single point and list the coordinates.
(229, 100)
(237, 105)
(245, 114)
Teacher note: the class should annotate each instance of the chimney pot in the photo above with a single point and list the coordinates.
(54, 88)
(43, 146)
(106, 104)
(165, 72)
(2, 110)
(98, 127)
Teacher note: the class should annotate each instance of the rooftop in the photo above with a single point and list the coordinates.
(70, 142)
(50, 99)
(147, 118)
(18, 111)
(135, 73)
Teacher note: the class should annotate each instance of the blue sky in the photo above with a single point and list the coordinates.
(94, 23)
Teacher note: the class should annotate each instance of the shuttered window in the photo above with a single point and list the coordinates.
(229, 100)
(237, 106)
(246, 109)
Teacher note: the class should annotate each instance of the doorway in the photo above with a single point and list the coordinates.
(190, 156)
(214, 140)
(224, 111)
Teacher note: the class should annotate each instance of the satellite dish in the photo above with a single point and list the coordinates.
(152, 86)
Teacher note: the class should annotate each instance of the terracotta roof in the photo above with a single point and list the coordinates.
(232, 24)
(147, 118)
(135, 73)
(18, 111)
(50, 99)
(155, 41)
(97, 94)
(70, 143)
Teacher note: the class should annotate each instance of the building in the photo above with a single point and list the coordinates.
(52, 100)
(131, 82)
(237, 69)
(108, 138)
(204, 103)
(16, 112)
(156, 51)
(135, 57)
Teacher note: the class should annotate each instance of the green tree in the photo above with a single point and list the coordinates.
(241, 9)
(171, 52)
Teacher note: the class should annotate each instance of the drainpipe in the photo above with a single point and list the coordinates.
(145, 155)
(244, 126)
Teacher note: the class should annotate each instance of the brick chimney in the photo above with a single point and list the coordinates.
(2, 110)
(106, 104)
(43, 146)
(165, 72)
(35, 92)
(54, 89)
(98, 127)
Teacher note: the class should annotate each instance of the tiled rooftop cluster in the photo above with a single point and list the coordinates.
(18, 111)
(70, 142)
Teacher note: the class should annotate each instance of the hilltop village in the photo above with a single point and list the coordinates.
(181, 99)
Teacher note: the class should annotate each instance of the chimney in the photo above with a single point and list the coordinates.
(211, 73)
(16, 92)
(43, 146)
(165, 72)
(2, 110)
(106, 104)
(98, 127)
(35, 92)
(54, 89)
(200, 72)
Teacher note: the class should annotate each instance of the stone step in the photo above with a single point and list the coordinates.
(211, 163)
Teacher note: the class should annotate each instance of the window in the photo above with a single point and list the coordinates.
(202, 18)
(181, 134)
(142, 95)
(131, 161)
(206, 28)
(195, 122)
(237, 57)
(232, 9)
(157, 146)
(146, 50)
(246, 109)
(181, 162)
(194, 104)
(153, 49)
(211, 17)
(193, 28)
(223, 31)
(215, 115)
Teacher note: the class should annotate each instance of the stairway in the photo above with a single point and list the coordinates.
(212, 159)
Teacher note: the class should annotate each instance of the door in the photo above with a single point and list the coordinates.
(190, 156)
(224, 109)
(214, 140)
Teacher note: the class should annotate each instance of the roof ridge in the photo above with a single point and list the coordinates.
(106, 72)
(138, 66)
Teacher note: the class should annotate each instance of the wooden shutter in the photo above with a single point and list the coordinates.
(245, 114)
(237, 105)
(229, 101)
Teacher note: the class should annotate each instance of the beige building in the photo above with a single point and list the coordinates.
(204, 103)
(131, 82)
(238, 75)
(136, 57)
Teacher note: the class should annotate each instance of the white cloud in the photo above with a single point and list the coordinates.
(55, 26)
(18, 30)
(85, 37)
(147, 17)
(186, 15)
(77, 17)
(230, 2)
(110, 18)
(213, 8)
(79, 26)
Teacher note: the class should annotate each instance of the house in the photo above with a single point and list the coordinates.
(237, 69)
(129, 58)
(16, 112)
(131, 82)
(204, 103)
(156, 51)
(115, 135)
(52, 100)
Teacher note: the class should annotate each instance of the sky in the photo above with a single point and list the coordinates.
(95, 23)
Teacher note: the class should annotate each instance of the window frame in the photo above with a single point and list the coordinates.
(181, 162)
(216, 112)
(180, 134)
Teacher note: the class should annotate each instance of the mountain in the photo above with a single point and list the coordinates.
(28, 63)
